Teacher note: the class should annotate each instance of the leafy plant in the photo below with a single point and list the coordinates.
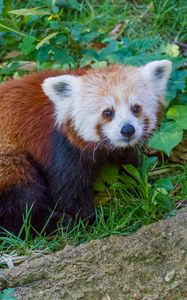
(108, 175)
(174, 125)
(155, 193)
(135, 184)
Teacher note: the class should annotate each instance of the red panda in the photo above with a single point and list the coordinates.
(58, 128)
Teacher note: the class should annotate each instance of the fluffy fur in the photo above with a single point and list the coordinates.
(57, 129)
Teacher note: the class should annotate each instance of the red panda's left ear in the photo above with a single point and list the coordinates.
(62, 91)
(158, 72)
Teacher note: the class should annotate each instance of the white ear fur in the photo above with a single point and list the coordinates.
(158, 73)
(62, 91)
(61, 87)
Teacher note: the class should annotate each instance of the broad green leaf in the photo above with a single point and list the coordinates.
(128, 180)
(164, 183)
(46, 40)
(167, 137)
(88, 37)
(99, 185)
(178, 113)
(42, 54)
(109, 173)
(182, 98)
(147, 164)
(27, 45)
(165, 200)
(35, 11)
(77, 30)
(62, 55)
(176, 83)
(171, 91)
(118, 186)
(138, 46)
(114, 58)
(89, 56)
(133, 172)
(112, 45)
(85, 61)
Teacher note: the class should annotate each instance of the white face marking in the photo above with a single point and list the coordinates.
(86, 116)
(83, 100)
(124, 115)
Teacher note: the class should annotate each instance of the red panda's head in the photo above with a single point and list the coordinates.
(116, 106)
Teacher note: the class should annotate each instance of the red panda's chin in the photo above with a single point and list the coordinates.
(125, 144)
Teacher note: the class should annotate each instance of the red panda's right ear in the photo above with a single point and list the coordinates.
(61, 87)
(62, 91)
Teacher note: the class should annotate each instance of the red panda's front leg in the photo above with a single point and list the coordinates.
(70, 179)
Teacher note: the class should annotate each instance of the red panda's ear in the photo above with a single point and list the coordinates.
(62, 91)
(61, 87)
(158, 72)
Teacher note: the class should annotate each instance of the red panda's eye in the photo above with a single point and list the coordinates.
(108, 113)
(136, 109)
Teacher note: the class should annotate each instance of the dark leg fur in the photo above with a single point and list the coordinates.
(13, 203)
(70, 179)
(31, 194)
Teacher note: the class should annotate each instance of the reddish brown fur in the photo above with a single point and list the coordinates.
(139, 113)
(100, 125)
(146, 126)
(160, 113)
(111, 77)
(15, 168)
(73, 138)
(26, 123)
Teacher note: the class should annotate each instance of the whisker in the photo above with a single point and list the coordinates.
(94, 150)
(83, 150)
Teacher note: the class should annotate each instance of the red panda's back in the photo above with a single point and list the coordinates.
(26, 115)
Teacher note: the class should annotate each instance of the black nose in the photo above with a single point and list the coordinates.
(127, 130)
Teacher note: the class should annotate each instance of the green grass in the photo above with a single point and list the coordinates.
(127, 208)
(157, 18)
(81, 29)
(165, 18)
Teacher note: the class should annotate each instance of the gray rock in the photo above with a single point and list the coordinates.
(150, 264)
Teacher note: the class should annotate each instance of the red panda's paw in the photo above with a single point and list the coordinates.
(59, 221)
(88, 212)
(65, 222)
(66, 218)
(22, 207)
